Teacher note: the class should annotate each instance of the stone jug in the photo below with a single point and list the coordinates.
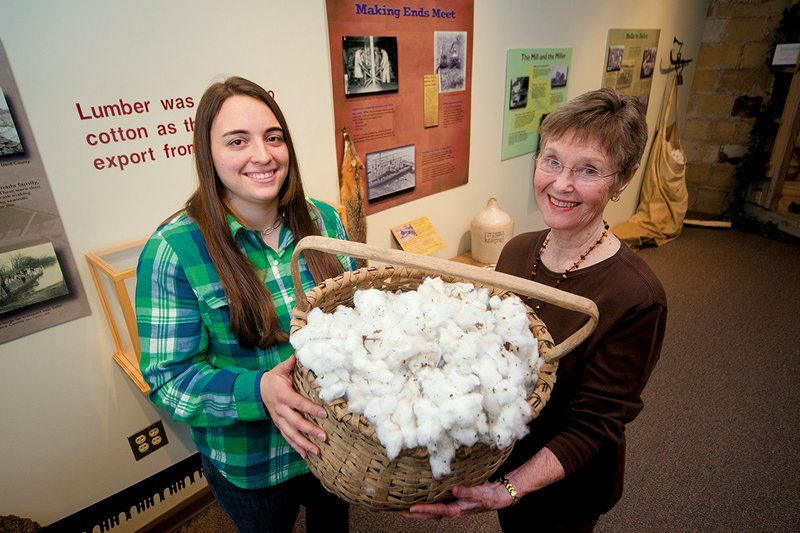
(490, 230)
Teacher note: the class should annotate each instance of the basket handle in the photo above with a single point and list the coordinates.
(445, 267)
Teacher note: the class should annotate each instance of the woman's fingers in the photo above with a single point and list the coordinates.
(285, 407)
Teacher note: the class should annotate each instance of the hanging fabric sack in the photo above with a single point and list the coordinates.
(663, 199)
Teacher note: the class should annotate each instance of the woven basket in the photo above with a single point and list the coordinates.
(352, 462)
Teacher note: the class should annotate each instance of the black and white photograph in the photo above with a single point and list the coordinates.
(539, 137)
(615, 54)
(370, 65)
(10, 143)
(450, 59)
(648, 62)
(625, 77)
(558, 76)
(518, 92)
(390, 172)
(29, 276)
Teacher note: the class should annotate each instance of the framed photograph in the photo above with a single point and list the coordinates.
(450, 59)
(648, 62)
(518, 95)
(624, 78)
(10, 143)
(370, 65)
(390, 172)
(615, 54)
(558, 76)
(29, 276)
(538, 136)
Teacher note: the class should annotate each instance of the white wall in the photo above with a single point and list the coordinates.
(65, 407)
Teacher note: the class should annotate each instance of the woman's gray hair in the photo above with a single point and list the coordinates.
(616, 121)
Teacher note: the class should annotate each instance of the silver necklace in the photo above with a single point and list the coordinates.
(268, 231)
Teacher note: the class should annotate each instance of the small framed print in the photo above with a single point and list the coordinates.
(390, 172)
(370, 65)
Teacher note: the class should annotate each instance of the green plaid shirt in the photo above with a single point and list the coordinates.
(193, 363)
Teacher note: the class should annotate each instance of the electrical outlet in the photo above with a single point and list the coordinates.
(148, 440)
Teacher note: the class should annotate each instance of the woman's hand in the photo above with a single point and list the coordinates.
(486, 497)
(285, 406)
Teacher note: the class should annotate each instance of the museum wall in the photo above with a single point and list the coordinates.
(67, 408)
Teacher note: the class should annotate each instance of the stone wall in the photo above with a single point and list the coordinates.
(730, 83)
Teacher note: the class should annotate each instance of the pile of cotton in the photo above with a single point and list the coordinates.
(441, 367)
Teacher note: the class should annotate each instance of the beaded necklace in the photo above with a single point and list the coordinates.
(575, 265)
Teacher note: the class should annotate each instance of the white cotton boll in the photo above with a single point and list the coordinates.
(358, 395)
(320, 357)
(462, 379)
(511, 425)
(404, 418)
(428, 428)
(471, 316)
(390, 436)
(461, 411)
(331, 389)
(506, 394)
(353, 344)
(370, 303)
(466, 350)
(482, 424)
(503, 436)
(440, 465)
(386, 388)
(465, 436)
(449, 334)
(492, 407)
(442, 453)
(487, 372)
(437, 313)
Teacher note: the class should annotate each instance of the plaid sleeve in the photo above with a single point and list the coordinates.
(174, 345)
(333, 227)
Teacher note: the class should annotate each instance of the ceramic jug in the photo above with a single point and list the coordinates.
(490, 230)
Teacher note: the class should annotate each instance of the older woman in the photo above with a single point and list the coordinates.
(569, 469)
(213, 302)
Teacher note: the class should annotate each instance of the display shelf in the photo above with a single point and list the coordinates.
(113, 270)
(467, 259)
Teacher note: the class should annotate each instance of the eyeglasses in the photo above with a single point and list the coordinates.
(554, 167)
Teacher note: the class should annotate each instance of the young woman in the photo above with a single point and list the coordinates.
(213, 302)
(569, 469)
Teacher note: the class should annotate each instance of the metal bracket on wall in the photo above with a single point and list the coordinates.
(677, 63)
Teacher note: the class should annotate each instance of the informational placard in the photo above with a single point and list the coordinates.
(39, 283)
(631, 62)
(418, 236)
(402, 88)
(786, 54)
(536, 84)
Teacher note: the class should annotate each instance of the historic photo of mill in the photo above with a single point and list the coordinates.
(390, 172)
(29, 276)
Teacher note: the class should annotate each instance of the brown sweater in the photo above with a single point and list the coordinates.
(598, 384)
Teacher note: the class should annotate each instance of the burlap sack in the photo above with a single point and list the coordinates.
(663, 199)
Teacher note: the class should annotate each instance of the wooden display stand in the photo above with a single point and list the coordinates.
(467, 259)
(113, 271)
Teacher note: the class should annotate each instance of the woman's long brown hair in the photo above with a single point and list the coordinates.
(253, 318)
